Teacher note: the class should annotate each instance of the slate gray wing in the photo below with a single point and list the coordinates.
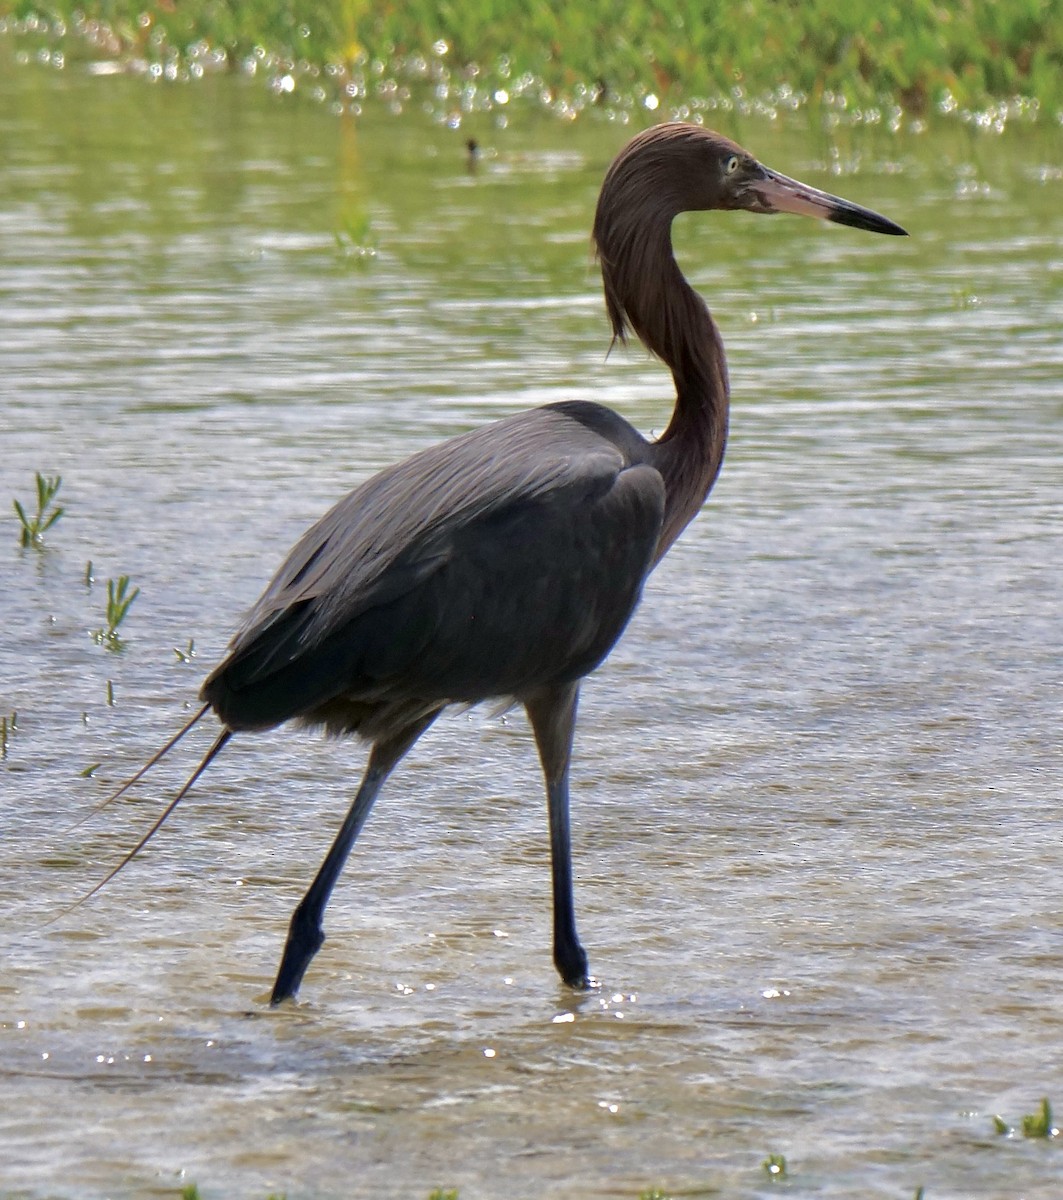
(486, 566)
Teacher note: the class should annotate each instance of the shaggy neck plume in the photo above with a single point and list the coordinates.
(646, 292)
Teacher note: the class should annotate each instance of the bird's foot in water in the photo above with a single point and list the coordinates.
(305, 939)
(586, 983)
(573, 967)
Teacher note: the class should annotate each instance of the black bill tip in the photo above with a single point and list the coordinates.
(845, 213)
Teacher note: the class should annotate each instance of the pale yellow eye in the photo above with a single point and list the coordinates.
(731, 165)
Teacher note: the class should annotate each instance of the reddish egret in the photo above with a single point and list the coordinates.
(505, 563)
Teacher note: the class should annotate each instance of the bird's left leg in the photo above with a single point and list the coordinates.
(305, 934)
(552, 713)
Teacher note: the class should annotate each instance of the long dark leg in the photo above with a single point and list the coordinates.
(553, 718)
(305, 934)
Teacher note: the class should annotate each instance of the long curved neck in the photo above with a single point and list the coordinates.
(646, 292)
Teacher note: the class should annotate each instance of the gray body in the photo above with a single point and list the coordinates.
(490, 566)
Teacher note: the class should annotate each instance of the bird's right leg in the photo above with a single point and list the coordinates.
(552, 713)
(305, 933)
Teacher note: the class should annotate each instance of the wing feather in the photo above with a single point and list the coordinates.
(483, 566)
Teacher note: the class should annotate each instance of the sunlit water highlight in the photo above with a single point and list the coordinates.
(817, 787)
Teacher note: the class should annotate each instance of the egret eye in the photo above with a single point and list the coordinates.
(731, 165)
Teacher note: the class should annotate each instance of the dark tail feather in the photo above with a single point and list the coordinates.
(142, 772)
(208, 758)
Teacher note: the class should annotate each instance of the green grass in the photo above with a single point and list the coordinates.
(1037, 1124)
(119, 600)
(8, 725)
(775, 1166)
(188, 653)
(921, 56)
(33, 528)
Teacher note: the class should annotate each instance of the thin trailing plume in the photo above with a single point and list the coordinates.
(156, 757)
(186, 787)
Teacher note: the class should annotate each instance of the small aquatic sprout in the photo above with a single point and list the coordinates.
(444, 1194)
(90, 579)
(654, 1194)
(110, 693)
(186, 656)
(964, 297)
(919, 1193)
(8, 725)
(89, 771)
(1039, 1124)
(34, 528)
(355, 239)
(1034, 1125)
(775, 1165)
(119, 599)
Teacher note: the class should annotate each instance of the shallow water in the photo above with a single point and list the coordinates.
(816, 795)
